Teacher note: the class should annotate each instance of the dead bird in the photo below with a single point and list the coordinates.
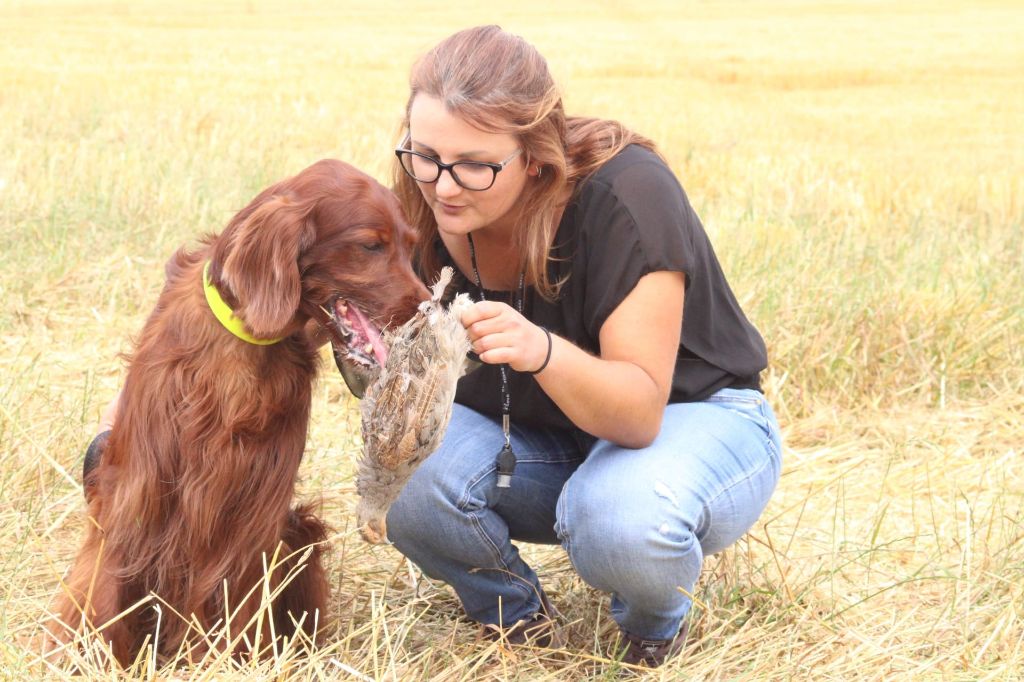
(407, 407)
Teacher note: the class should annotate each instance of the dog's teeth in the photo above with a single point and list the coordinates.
(368, 349)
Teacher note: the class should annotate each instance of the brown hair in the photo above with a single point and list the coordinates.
(500, 83)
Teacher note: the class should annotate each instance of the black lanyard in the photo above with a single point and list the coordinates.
(506, 459)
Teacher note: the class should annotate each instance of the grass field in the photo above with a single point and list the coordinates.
(859, 166)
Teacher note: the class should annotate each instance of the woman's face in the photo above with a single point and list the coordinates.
(436, 132)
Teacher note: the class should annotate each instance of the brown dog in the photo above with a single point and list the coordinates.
(192, 496)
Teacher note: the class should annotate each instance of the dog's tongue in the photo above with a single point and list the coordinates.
(380, 351)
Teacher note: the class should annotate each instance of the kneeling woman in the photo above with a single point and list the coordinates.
(618, 410)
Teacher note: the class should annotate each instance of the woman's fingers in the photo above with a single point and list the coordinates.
(500, 335)
(487, 318)
(483, 310)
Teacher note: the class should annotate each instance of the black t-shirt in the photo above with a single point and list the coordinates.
(628, 219)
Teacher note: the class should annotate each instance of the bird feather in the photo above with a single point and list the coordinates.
(406, 409)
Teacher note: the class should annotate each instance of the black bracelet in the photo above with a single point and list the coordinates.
(547, 358)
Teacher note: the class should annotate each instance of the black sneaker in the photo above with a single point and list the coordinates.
(651, 653)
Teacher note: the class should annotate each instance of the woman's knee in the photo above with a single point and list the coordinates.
(627, 534)
(447, 482)
(431, 493)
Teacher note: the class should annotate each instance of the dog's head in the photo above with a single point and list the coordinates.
(331, 238)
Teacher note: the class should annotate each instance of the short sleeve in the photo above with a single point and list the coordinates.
(633, 218)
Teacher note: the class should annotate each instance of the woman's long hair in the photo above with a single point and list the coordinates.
(499, 83)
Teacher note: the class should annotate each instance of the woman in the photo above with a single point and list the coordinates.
(618, 410)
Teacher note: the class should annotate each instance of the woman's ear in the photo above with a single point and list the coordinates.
(261, 265)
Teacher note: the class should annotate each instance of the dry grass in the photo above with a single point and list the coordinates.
(859, 166)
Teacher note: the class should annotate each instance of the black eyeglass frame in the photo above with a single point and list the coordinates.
(450, 167)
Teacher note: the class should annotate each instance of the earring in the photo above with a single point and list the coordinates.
(540, 171)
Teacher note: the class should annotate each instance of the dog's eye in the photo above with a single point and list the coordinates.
(376, 246)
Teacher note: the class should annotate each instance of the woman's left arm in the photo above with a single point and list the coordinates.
(619, 396)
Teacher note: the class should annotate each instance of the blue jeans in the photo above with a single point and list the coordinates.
(635, 523)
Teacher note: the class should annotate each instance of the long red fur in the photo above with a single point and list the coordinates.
(195, 487)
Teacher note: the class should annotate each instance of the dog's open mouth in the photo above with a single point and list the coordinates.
(363, 340)
(358, 348)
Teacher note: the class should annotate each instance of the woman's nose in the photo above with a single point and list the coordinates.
(446, 185)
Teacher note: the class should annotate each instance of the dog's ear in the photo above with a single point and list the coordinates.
(261, 264)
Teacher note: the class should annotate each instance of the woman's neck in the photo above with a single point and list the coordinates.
(497, 259)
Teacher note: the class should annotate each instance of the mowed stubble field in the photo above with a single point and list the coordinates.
(859, 166)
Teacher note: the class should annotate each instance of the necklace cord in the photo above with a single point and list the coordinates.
(506, 460)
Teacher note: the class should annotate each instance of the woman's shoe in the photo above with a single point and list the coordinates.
(651, 652)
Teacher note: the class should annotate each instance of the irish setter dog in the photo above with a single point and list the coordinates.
(191, 499)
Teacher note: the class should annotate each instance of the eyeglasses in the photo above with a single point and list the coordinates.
(472, 175)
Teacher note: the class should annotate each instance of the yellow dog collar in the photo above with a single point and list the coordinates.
(222, 311)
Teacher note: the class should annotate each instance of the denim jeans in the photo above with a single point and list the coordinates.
(635, 522)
